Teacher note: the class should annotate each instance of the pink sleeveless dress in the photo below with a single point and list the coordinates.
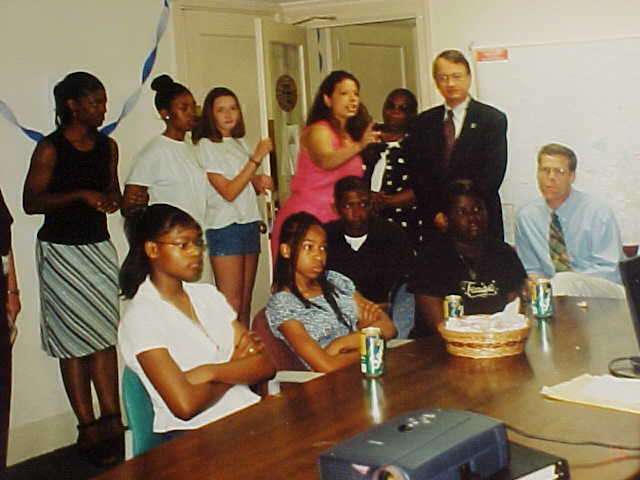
(312, 188)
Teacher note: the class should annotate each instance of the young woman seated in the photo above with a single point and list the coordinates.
(317, 312)
(465, 261)
(182, 339)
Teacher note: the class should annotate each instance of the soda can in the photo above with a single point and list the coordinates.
(541, 298)
(453, 307)
(371, 352)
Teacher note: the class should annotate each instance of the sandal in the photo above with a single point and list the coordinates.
(92, 446)
(113, 437)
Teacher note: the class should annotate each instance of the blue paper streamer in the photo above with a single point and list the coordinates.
(131, 102)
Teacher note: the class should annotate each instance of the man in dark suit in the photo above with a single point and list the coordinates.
(462, 139)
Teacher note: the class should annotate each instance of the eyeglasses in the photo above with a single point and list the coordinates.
(183, 245)
(557, 171)
(456, 77)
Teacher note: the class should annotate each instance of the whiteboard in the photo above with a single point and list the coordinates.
(584, 95)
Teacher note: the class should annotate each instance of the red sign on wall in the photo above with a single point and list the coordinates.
(492, 55)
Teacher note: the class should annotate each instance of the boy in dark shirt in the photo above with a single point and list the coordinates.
(372, 252)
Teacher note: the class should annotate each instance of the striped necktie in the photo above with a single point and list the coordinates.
(557, 247)
(449, 132)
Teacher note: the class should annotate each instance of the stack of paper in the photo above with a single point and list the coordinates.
(603, 391)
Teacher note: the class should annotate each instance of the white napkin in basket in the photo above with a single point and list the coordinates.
(507, 320)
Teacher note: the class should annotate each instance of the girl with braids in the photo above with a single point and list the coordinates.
(167, 170)
(317, 312)
(73, 181)
(182, 339)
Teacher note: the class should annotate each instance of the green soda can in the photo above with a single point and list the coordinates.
(541, 298)
(371, 352)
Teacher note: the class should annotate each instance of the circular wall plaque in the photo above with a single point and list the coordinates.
(286, 92)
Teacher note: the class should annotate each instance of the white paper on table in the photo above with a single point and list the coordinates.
(294, 376)
(605, 391)
(397, 342)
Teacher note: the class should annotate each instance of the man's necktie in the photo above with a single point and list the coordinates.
(449, 132)
(557, 247)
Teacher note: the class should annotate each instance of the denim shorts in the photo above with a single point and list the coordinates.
(234, 239)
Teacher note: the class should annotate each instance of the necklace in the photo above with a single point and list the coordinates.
(473, 275)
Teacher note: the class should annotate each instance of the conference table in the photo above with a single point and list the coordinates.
(282, 436)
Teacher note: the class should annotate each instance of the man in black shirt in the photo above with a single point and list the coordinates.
(373, 252)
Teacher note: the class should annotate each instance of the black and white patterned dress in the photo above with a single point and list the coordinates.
(396, 176)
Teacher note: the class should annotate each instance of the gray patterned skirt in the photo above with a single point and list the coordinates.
(79, 308)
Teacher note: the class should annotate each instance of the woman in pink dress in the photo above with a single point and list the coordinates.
(338, 129)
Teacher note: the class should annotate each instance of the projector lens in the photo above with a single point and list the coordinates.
(389, 472)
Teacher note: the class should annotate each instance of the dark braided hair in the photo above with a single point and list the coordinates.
(73, 87)
(292, 233)
(141, 226)
(166, 90)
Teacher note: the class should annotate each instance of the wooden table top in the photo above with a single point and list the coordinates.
(282, 436)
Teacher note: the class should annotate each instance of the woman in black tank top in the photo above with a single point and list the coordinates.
(73, 181)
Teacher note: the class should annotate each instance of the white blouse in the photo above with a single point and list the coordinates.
(227, 158)
(150, 322)
(172, 174)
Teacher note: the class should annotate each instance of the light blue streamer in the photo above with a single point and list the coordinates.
(131, 102)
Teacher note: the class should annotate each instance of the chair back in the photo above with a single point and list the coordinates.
(139, 410)
(279, 352)
(630, 273)
(403, 310)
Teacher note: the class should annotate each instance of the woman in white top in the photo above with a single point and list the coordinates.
(167, 170)
(233, 218)
(182, 339)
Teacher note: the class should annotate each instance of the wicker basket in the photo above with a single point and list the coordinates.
(485, 344)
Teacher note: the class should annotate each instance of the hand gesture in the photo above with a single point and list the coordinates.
(112, 202)
(369, 136)
(263, 148)
(262, 183)
(249, 344)
(379, 201)
(94, 199)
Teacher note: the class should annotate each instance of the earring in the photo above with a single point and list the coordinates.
(167, 117)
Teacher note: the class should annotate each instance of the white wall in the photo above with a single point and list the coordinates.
(42, 41)
(458, 23)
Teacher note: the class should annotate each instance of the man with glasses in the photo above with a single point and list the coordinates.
(462, 139)
(567, 235)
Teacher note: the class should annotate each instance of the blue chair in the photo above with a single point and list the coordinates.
(403, 310)
(139, 410)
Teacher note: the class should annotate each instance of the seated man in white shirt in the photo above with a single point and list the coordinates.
(569, 236)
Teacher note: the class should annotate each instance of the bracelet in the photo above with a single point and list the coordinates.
(13, 292)
(257, 163)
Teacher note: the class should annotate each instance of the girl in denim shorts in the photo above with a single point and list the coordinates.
(233, 218)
